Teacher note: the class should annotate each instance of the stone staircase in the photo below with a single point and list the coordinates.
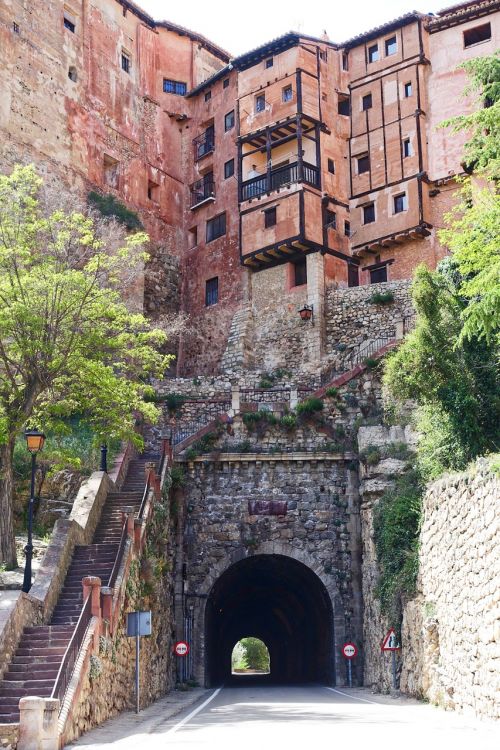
(35, 665)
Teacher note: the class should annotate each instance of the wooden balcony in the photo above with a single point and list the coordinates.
(278, 178)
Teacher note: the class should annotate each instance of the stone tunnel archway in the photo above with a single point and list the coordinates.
(282, 602)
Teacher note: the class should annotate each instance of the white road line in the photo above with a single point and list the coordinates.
(354, 697)
(193, 713)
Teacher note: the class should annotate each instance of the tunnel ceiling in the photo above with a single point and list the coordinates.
(282, 602)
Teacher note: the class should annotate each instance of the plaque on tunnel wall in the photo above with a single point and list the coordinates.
(267, 507)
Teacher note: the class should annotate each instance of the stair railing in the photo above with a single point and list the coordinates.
(72, 651)
(119, 555)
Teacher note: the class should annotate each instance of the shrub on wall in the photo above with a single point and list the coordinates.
(381, 298)
(108, 205)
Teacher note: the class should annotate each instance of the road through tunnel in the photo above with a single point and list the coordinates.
(283, 603)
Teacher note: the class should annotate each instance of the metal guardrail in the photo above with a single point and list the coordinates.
(72, 651)
(119, 557)
(201, 191)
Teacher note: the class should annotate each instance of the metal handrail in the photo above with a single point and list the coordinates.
(119, 556)
(144, 497)
(201, 190)
(72, 651)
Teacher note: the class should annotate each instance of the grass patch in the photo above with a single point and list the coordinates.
(309, 406)
(381, 298)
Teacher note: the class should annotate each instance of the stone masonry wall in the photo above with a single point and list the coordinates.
(454, 660)
(320, 527)
(352, 319)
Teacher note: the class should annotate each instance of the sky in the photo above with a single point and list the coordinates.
(238, 27)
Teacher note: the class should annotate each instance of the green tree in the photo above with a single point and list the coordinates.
(256, 653)
(68, 343)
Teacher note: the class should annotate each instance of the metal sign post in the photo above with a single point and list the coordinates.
(390, 643)
(138, 624)
(350, 651)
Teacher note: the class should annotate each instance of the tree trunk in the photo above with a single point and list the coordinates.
(7, 540)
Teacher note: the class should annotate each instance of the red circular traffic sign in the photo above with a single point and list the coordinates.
(349, 650)
(181, 648)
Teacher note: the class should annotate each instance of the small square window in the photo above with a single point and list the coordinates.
(287, 94)
(225, 83)
(15, 27)
(400, 203)
(229, 121)
(391, 46)
(408, 89)
(367, 102)
(331, 166)
(378, 275)
(212, 291)
(300, 272)
(407, 149)
(343, 105)
(477, 34)
(269, 62)
(363, 163)
(208, 96)
(345, 61)
(126, 62)
(260, 103)
(369, 213)
(373, 55)
(229, 169)
(69, 23)
(347, 228)
(330, 219)
(270, 217)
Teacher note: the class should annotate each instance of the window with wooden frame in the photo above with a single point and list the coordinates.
(299, 272)
(229, 121)
(477, 35)
(331, 166)
(407, 149)
(408, 89)
(400, 203)
(15, 27)
(69, 21)
(347, 228)
(378, 275)
(373, 54)
(216, 227)
(229, 169)
(212, 291)
(369, 213)
(126, 62)
(363, 163)
(391, 46)
(366, 102)
(260, 102)
(225, 83)
(344, 105)
(330, 219)
(269, 62)
(270, 217)
(208, 96)
(174, 87)
(287, 94)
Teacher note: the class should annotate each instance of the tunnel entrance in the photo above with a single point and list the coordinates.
(283, 603)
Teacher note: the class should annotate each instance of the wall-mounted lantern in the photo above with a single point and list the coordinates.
(306, 312)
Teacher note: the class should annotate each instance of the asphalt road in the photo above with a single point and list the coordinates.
(289, 718)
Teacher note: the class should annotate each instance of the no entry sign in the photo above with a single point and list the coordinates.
(181, 648)
(349, 650)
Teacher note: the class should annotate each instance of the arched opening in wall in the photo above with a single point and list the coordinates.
(283, 603)
(72, 74)
(250, 657)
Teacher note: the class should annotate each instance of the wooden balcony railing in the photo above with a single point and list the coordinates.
(286, 175)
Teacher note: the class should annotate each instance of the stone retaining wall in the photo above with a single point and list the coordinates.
(451, 632)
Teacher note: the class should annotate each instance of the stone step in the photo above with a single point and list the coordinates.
(46, 660)
(26, 672)
(7, 717)
(40, 651)
(19, 692)
(36, 631)
(20, 684)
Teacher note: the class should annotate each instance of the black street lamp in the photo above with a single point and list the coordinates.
(103, 466)
(34, 442)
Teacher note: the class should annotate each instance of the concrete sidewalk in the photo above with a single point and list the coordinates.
(128, 723)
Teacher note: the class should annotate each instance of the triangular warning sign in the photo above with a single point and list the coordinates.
(390, 642)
